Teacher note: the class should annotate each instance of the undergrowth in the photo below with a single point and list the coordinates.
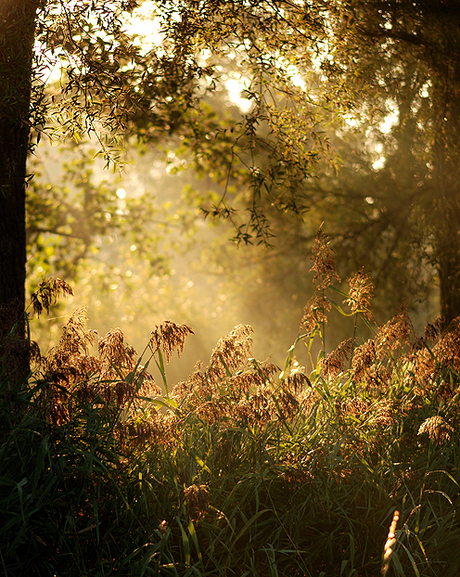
(349, 467)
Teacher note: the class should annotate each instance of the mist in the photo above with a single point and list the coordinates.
(193, 274)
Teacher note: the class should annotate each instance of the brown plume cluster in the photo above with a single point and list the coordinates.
(47, 293)
(78, 373)
(236, 388)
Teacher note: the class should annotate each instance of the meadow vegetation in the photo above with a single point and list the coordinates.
(347, 466)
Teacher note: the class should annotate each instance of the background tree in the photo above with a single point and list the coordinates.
(395, 67)
(17, 22)
(402, 59)
(295, 62)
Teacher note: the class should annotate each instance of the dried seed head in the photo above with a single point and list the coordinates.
(296, 382)
(72, 348)
(447, 349)
(433, 329)
(169, 337)
(48, 292)
(359, 294)
(288, 405)
(76, 338)
(197, 499)
(230, 353)
(112, 348)
(437, 429)
(315, 313)
(334, 363)
(243, 382)
(324, 265)
(363, 359)
(124, 392)
(396, 332)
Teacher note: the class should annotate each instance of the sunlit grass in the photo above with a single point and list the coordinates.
(348, 467)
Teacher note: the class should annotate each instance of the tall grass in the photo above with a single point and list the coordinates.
(348, 468)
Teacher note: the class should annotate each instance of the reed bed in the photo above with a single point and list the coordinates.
(349, 467)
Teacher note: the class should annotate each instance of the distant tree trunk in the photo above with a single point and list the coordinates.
(448, 260)
(17, 25)
(446, 163)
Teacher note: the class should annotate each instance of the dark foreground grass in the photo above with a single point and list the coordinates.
(242, 470)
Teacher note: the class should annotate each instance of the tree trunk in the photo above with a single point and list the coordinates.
(17, 26)
(448, 262)
(446, 215)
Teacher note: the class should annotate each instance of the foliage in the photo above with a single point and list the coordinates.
(243, 468)
(78, 217)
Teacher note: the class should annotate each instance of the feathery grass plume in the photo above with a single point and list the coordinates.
(390, 542)
(324, 265)
(77, 377)
(245, 380)
(335, 361)
(47, 293)
(314, 314)
(253, 377)
(395, 333)
(118, 357)
(433, 329)
(135, 433)
(113, 349)
(296, 381)
(68, 368)
(431, 333)
(259, 408)
(437, 429)
(430, 363)
(169, 337)
(381, 413)
(75, 337)
(447, 349)
(70, 358)
(230, 353)
(359, 294)
(364, 357)
(287, 404)
(197, 499)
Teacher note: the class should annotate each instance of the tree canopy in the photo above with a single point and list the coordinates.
(315, 74)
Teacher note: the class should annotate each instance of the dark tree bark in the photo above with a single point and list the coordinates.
(447, 232)
(446, 170)
(17, 25)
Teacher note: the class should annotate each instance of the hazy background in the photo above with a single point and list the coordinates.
(168, 263)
